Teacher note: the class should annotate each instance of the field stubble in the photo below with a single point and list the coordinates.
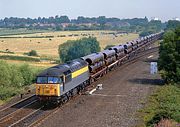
(46, 44)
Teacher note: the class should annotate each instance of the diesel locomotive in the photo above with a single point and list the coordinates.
(61, 82)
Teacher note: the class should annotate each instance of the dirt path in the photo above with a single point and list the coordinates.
(115, 105)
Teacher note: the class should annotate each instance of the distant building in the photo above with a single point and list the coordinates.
(176, 18)
(155, 19)
(64, 25)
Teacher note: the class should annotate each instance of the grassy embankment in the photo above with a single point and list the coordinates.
(164, 106)
(14, 79)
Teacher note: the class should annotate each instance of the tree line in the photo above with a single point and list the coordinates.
(169, 60)
(82, 23)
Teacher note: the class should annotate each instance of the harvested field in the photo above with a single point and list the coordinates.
(46, 44)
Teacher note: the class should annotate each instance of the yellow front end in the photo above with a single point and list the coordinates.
(47, 90)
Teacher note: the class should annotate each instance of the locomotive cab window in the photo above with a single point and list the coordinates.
(42, 80)
(54, 80)
(49, 80)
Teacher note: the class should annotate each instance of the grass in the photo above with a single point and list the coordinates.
(20, 31)
(19, 58)
(42, 64)
(45, 45)
(15, 45)
(8, 92)
(163, 104)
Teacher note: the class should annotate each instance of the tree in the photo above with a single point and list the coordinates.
(108, 46)
(32, 53)
(169, 59)
(78, 48)
(4, 74)
(16, 77)
(27, 74)
(146, 33)
(152, 27)
(172, 24)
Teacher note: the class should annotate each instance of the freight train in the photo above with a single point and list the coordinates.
(61, 82)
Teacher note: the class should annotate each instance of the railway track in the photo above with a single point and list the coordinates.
(19, 113)
(39, 115)
(17, 103)
(32, 113)
(142, 54)
(16, 106)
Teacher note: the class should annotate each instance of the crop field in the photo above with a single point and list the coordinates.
(7, 32)
(46, 44)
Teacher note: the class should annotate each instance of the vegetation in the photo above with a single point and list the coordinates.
(172, 24)
(169, 60)
(14, 78)
(108, 46)
(81, 23)
(32, 53)
(45, 47)
(20, 31)
(78, 48)
(163, 104)
(8, 52)
(151, 27)
(20, 58)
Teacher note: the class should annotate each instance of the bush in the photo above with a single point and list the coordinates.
(146, 33)
(78, 48)
(169, 59)
(21, 58)
(8, 92)
(4, 74)
(16, 77)
(27, 74)
(108, 46)
(164, 103)
(32, 53)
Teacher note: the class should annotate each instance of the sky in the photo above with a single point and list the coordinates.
(162, 9)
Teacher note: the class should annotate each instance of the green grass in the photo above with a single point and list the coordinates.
(7, 31)
(164, 103)
(20, 58)
(9, 52)
(27, 36)
(8, 92)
